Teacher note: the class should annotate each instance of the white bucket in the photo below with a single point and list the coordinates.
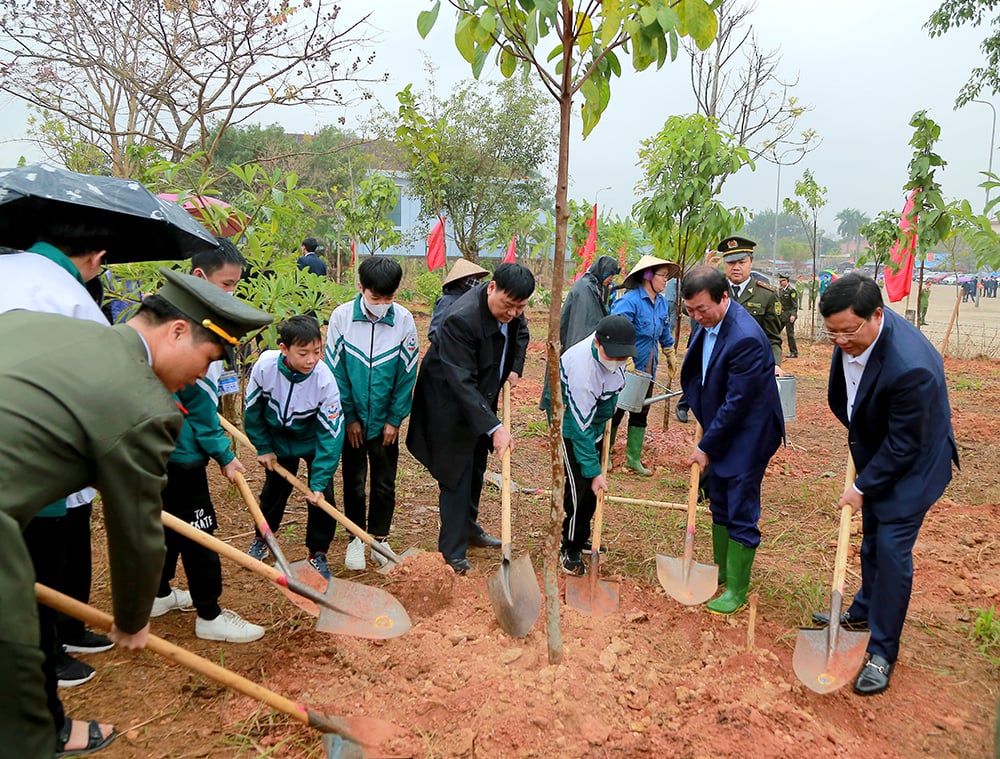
(631, 397)
(786, 392)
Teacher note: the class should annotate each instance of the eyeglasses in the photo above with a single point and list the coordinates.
(662, 275)
(842, 335)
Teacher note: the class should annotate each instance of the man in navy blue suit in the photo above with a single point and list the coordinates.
(728, 378)
(887, 387)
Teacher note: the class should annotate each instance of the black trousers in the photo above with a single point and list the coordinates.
(45, 538)
(186, 496)
(789, 327)
(320, 526)
(460, 507)
(355, 464)
(77, 567)
(25, 722)
(579, 502)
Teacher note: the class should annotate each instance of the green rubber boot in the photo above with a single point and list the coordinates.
(720, 542)
(739, 559)
(636, 436)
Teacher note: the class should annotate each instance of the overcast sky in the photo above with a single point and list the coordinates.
(864, 66)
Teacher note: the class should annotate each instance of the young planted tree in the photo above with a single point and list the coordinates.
(571, 47)
(880, 234)
(811, 197)
(173, 75)
(684, 168)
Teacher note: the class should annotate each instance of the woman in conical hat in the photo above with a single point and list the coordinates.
(463, 277)
(650, 312)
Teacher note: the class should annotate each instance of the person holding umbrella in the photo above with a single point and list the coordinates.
(70, 440)
(644, 305)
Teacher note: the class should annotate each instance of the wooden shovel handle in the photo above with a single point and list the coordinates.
(221, 547)
(505, 526)
(101, 621)
(346, 523)
(693, 483)
(844, 533)
(595, 538)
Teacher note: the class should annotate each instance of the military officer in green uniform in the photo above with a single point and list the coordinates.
(759, 298)
(788, 297)
(86, 404)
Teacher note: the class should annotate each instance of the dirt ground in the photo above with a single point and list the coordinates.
(655, 679)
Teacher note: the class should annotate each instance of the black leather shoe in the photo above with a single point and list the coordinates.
(681, 414)
(848, 622)
(461, 566)
(873, 677)
(484, 540)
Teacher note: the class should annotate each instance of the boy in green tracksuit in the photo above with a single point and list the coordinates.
(187, 496)
(293, 412)
(591, 374)
(371, 347)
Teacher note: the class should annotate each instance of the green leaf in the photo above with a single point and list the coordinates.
(508, 63)
(465, 40)
(426, 19)
(700, 21)
(477, 63)
(611, 21)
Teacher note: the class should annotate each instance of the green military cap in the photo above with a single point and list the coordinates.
(213, 308)
(736, 249)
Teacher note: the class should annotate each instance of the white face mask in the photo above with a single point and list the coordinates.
(377, 310)
(612, 364)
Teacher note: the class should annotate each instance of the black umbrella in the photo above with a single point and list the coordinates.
(145, 227)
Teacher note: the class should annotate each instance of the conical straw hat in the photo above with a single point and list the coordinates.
(463, 268)
(634, 278)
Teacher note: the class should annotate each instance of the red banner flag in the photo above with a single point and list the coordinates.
(511, 257)
(353, 251)
(589, 247)
(899, 282)
(435, 246)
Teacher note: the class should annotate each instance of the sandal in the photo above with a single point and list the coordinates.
(95, 739)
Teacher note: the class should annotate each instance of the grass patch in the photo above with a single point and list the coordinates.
(985, 632)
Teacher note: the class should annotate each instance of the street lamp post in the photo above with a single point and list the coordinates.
(993, 131)
(597, 194)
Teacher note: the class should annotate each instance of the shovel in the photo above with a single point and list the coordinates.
(591, 595)
(686, 580)
(347, 524)
(371, 608)
(355, 731)
(513, 588)
(338, 608)
(828, 658)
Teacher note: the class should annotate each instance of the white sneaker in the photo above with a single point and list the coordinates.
(355, 556)
(178, 599)
(376, 556)
(228, 627)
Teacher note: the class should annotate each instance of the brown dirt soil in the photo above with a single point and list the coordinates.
(655, 679)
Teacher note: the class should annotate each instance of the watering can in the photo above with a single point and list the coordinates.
(632, 397)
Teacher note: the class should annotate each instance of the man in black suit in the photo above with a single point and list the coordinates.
(887, 386)
(454, 421)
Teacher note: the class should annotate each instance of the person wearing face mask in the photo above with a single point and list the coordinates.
(591, 374)
(464, 275)
(649, 311)
(372, 350)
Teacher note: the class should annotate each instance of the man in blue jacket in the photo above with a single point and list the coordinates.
(887, 386)
(728, 378)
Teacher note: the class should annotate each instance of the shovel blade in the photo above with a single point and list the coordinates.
(590, 595)
(390, 565)
(515, 595)
(690, 583)
(825, 663)
(362, 611)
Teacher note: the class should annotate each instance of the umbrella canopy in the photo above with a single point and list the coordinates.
(146, 228)
(215, 214)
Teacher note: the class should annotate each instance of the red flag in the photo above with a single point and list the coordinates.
(589, 247)
(435, 246)
(621, 257)
(353, 250)
(511, 257)
(899, 282)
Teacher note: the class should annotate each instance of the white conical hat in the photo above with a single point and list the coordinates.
(463, 268)
(634, 278)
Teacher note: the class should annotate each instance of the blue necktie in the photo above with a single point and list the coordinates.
(706, 353)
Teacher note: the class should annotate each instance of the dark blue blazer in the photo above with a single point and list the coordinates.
(900, 433)
(738, 404)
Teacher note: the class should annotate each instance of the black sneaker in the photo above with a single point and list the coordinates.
(88, 643)
(588, 547)
(72, 672)
(572, 562)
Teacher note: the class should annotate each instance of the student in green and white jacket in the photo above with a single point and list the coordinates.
(371, 347)
(293, 412)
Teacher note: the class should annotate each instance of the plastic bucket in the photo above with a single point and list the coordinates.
(786, 392)
(633, 395)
